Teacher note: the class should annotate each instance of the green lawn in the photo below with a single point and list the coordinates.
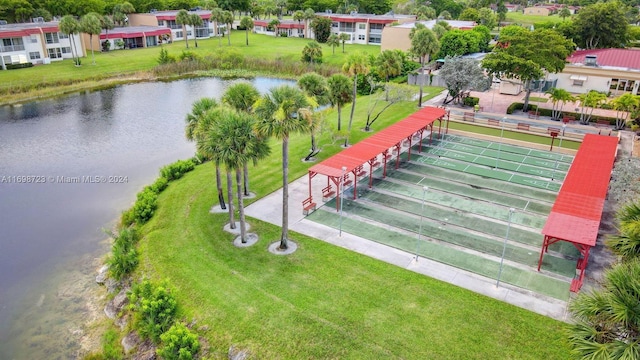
(520, 18)
(322, 301)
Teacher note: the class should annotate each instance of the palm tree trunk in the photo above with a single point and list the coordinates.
(93, 56)
(229, 35)
(184, 33)
(284, 238)
(232, 219)
(246, 31)
(353, 109)
(74, 53)
(527, 93)
(243, 228)
(223, 206)
(339, 117)
(246, 179)
(195, 36)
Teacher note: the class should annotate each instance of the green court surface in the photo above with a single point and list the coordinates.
(462, 218)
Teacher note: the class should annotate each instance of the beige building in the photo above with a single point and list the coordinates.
(397, 37)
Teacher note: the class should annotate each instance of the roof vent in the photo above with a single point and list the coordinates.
(353, 13)
(328, 11)
(38, 20)
(591, 60)
(3, 22)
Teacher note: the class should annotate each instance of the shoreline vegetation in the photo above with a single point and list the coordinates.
(321, 301)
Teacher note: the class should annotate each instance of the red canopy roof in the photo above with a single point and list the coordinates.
(575, 216)
(376, 144)
(135, 32)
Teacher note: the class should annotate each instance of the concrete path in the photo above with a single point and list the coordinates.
(269, 209)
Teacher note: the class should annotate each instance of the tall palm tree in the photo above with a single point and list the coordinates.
(627, 242)
(182, 18)
(388, 63)
(227, 17)
(197, 125)
(216, 16)
(424, 44)
(624, 105)
(278, 116)
(333, 40)
(561, 96)
(242, 96)
(234, 139)
(70, 26)
(343, 37)
(356, 64)
(588, 102)
(90, 24)
(339, 93)
(608, 320)
(309, 15)
(195, 21)
(107, 24)
(247, 24)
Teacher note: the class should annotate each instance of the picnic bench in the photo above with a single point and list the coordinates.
(468, 116)
(568, 119)
(522, 126)
(360, 171)
(493, 122)
(308, 206)
(328, 193)
(533, 114)
(602, 123)
(553, 130)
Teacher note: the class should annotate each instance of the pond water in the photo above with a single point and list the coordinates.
(52, 216)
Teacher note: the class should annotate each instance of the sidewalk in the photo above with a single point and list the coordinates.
(269, 209)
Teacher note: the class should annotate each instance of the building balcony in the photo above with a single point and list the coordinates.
(11, 48)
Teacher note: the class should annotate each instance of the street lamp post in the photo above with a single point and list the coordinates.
(424, 191)
(344, 171)
(500, 143)
(504, 245)
(564, 127)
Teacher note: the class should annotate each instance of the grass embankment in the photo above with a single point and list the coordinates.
(527, 20)
(120, 66)
(322, 301)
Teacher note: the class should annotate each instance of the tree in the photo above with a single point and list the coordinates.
(182, 18)
(423, 44)
(309, 15)
(107, 24)
(527, 55)
(602, 25)
(564, 13)
(469, 14)
(120, 12)
(242, 96)
(195, 20)
(343, 38)
(624, 105)
(298, 16)
(588, 102)
(424, 12)
(487, 18)
(502, 12)
(278, 116)
(388, 64)
(321, 28)
(558, 97)
(216, 16)
(197, 124)
(90, 24)
(312, 53)
(339, 93)
(458, 42)
(69, 25)
(607, 321)
(626, 243)
(333, 41)
(461, 75)
(227, 18)
(394, 93)
(446, 15)
(247, 24)
(356, 64)
(273, 24)
(315, 86)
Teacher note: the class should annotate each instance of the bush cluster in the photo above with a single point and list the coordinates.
(177, 169)
(124, 256)
(154, 309)
(548, 112)
(145, 206)
(179, 343)
(471, 101)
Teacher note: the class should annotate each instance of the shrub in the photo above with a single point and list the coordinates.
(471, 101)
(127, 218)
(18, 66)
(283, 35)
(145, 206)
(111, 349)
(106, 45)
(159, 185)
(154, 309)
(124, 256)
(165, 58)
(179, 343)
(177, 169)
(187, 55)
(513, 107)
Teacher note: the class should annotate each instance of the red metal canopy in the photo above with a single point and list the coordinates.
(575, 215)
(366, 152)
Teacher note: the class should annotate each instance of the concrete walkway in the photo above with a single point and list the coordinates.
(269, 209)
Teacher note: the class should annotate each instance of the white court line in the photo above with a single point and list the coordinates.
(525, 207)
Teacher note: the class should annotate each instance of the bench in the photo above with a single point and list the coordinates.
(328, 193)
(468, 116)
(603, 123)
(360, 171)
(493, 122)
(347, 181)
(553, 130)
(308, 206)
(533, 114)
(523, 126)
(568, 119)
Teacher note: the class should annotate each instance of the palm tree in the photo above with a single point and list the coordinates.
(70, 26)
(333, 41)
(339, 93)
(234, 140)
(312, 53)
(227, 18)
(607, 321)
(424, 44)
(216, 16)
(120, 12)
(624, 105)
(182, 18)
(197, 125)
(627, 243)
(107, 24)
(388, 63)
(195, 20)
(561, 96)
(309, 15)
(278, 116)
(242, 97)
(343, 38)
(564, 13)
(90, 24)
(298, 16)
(274, 25)
(247, 24)
(357, 64)
(588, 102)
(315, 87)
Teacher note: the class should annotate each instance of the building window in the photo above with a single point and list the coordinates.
(35, 55)
(160, 22)
(63, 36)
(173, 25)
(375, 39)
(347, 27)
(178, 34)
(55, 53)
(12, 44)
(360, 37)
(362, 26)
(52, 38)
(335, 24)
(578, 83)
(66, 50)
(34, 39)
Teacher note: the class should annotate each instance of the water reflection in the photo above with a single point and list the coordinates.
(129, 131)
